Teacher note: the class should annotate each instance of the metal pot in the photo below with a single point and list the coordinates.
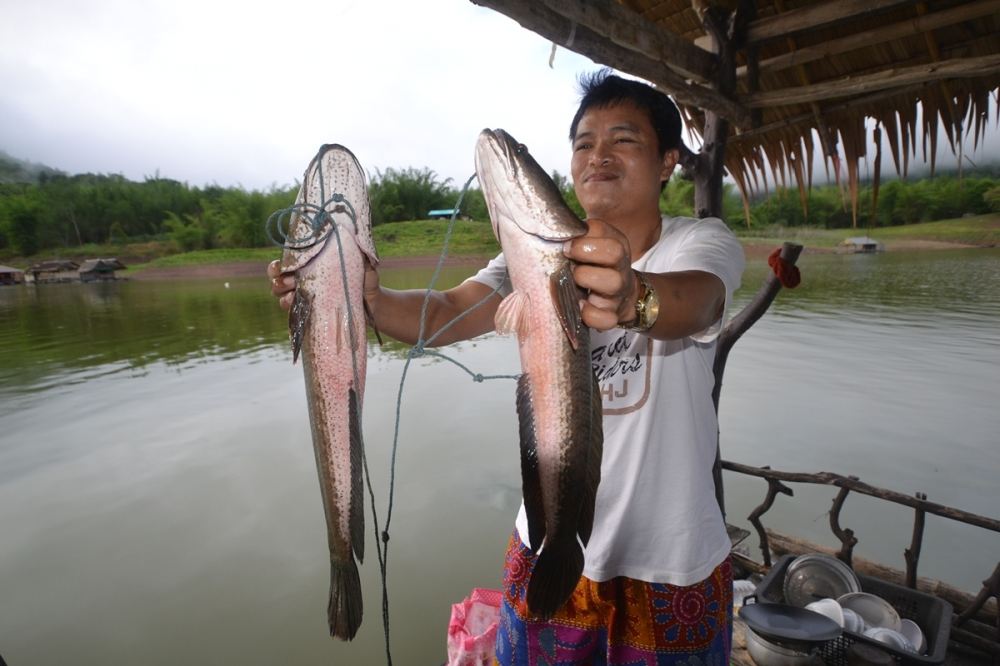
(771, 653)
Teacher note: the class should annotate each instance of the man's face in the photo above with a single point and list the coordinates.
(616, 165)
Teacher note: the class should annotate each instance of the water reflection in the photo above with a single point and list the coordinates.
(910, 285)
(158, 492)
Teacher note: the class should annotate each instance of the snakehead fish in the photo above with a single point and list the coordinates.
(328, 239)
(558, 400)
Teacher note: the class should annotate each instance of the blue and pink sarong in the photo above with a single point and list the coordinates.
(663, 624)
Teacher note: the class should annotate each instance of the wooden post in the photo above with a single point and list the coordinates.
(710, 164)
(726, 30)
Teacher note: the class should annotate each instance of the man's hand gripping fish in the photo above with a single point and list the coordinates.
(558, 400)
(328, 240)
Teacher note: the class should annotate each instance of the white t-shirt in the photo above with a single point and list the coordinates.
(657, 518)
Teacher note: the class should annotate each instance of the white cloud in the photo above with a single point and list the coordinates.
(212, 91)
(244, 93)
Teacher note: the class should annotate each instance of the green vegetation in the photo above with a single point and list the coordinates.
(46, 214)
(426, 237)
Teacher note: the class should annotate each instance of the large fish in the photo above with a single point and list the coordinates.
(558, 400)
(328, 239)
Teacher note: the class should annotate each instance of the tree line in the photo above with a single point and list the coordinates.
(58, 210)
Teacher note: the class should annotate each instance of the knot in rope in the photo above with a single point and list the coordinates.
(787, 273)
(319, 222)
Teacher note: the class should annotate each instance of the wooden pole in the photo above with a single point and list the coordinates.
(726, 30)
(711, 161)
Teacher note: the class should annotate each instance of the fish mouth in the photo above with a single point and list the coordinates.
(497, 148)
(504, 148)
(519, 192)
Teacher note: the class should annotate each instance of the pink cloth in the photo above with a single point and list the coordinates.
(472, 630)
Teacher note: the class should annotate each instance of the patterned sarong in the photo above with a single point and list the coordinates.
(618, 622)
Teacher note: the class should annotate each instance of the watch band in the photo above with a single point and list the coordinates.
(647, 307)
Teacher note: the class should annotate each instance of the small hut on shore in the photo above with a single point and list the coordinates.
(56, 270)
(860, 244)
(10, 275)
(100, 269)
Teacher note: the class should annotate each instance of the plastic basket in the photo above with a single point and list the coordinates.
(933, 615)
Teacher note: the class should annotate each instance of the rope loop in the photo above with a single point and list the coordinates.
(319, 222)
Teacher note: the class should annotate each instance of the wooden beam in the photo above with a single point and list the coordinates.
(877, 35)
(629, 30)
(882, 80)
(815, 16)
(541, 20)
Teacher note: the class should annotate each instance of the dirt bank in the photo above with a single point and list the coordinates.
(257, 269)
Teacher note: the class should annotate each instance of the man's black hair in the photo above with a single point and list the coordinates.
(602, 89)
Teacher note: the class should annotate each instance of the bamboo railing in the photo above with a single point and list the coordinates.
(977, 620)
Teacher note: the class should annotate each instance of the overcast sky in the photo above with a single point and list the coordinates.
(213, 91)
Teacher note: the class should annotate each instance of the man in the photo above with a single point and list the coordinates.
(656, 585)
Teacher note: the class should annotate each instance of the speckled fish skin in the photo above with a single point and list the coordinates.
(327, 328)
(558, 400)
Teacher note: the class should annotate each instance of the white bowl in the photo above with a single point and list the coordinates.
(741, 590)
(893, 639)
(912, 632)
(875, 611)
(830, 608)
(853, 622)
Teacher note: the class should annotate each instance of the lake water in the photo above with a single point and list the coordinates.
(158, 493)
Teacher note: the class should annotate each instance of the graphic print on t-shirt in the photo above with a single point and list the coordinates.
(622, 368)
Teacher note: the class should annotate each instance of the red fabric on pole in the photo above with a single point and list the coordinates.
(788, 274)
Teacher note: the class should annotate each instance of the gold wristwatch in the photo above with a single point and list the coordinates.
(647, 307)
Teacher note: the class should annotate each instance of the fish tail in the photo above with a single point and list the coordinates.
(555, 576)
(344, 611)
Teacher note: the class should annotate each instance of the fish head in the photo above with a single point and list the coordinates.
(519, 193)
(334, 193)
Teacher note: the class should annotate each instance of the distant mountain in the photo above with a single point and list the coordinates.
(14, 170)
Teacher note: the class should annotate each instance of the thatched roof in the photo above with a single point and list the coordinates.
(54, 266)
(101, 265)
(798, 66)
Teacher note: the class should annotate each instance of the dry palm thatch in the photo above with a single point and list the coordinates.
(773, 80)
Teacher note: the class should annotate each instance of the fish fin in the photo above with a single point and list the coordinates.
(595, 451)
(555, 576)
(298, 317)
(357, 519)
(531, 482)
(345, 609)
(566, 301)
(511, 316)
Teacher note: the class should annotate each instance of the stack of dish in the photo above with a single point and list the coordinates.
(825, 585)
(783, 635)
